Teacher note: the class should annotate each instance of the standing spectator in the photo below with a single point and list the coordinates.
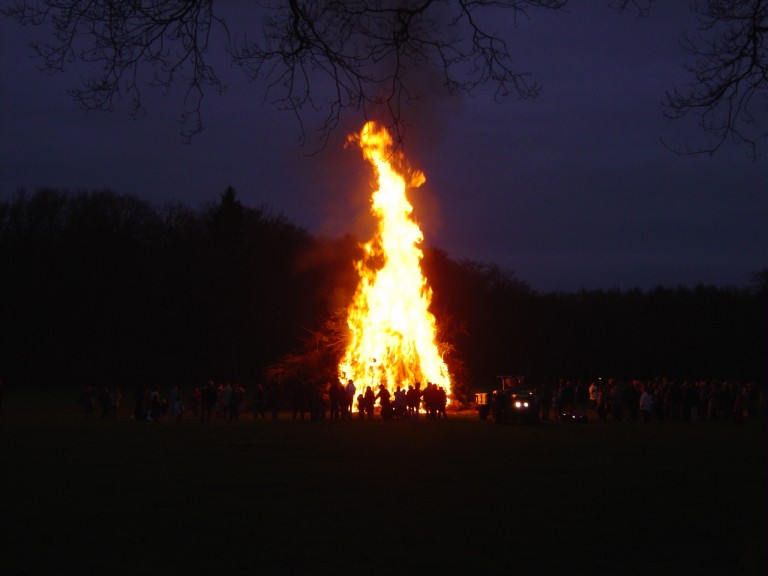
(646, 403)
(430, 400)
(753, 399)
(298, 400)
(566, 399)
(317, 402)
(442, 402)
(225, 400)
(617, 406)
(384, 398)
(602, 403)
(546, 400)
(103, 398)
(197, 396)
(236, 401)
(334, 399)
(369, 399)
(207, 401)
(349, 398)
(594, 390)
(631, 399)
(86, 401)
(156, 406)
(138, 403)
(691, 401)
(177, 406)
(360, 406)
(114, 402)
(672, 401)
(273, 399)
(658, 394)
(413, 400)
(740, 406)
(259, 402)
(581, 398)
(399, 402)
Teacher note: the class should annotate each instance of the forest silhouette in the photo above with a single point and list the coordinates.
(100, 288)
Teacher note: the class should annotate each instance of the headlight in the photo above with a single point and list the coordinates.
(518, 404)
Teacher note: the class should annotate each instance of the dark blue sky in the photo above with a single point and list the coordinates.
(572, 190)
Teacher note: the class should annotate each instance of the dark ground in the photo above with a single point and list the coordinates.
(381, 497)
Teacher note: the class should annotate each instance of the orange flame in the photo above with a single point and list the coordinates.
(392, 332)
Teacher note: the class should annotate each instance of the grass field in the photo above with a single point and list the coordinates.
(357, 497)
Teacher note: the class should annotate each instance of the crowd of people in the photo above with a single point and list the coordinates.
(302, 399)
(402, 403)
(603, 399)
(107, 400)
(647, 400)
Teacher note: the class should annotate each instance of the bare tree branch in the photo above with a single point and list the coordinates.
(312, 55)
(730, 75)
(322, 57)
(169, 37)
(642, 8)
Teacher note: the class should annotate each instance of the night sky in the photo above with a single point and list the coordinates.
(573, 190)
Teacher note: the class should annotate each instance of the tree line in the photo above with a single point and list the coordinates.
(99, 288)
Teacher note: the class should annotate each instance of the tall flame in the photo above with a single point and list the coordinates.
(392, 332)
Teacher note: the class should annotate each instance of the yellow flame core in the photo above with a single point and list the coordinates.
(392, 332)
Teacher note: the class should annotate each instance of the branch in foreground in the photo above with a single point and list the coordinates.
(312, 56)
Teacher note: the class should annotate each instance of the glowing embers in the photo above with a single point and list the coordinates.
(392, 333)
